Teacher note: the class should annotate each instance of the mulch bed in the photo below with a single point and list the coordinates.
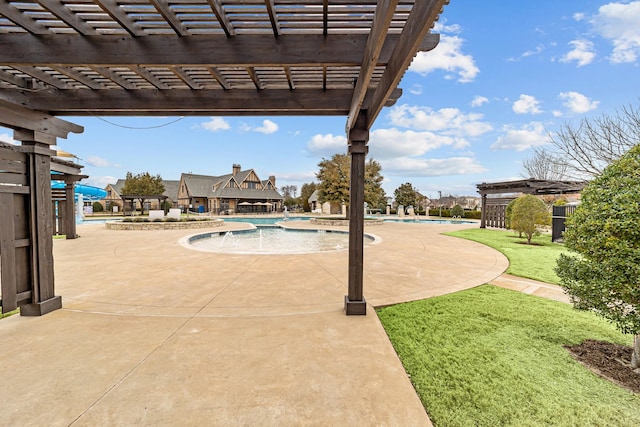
(608, 360)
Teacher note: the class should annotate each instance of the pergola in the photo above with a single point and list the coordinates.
(494, 208)
(191, 57)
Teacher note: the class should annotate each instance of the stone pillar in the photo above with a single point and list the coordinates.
(354, 303)
(36, 146)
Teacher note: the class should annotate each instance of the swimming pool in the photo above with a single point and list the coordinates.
(271, 240)
(265, 221)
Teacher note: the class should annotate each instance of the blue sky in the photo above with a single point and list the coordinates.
(505, 75)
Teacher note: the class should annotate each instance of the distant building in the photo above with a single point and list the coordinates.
(114, 196)
(329, 208)
(237, 192)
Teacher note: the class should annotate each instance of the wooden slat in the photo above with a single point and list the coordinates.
(170, 16)
(57, 8)
(7, 254)
(223, 19)
(117, 13)
(14, 80)
(114, 77)
(13, 178)
(271, 9)
(13, 189)
(219, 77)
(14, 15)
(78, 76)
(148, 76)
(12, 166)
(184, 76)
(42, 76)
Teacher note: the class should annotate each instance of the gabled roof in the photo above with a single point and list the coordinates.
(170, 188)
(203, 186)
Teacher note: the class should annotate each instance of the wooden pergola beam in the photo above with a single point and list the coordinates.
(212, 50)
(15, 116)
(82, 102)
(422, 16)
(375, 41)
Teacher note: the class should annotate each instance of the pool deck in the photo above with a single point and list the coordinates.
(153, 333)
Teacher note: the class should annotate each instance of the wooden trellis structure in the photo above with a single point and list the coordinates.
(203, 57)
(494, 208)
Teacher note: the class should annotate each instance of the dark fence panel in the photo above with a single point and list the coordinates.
(560, 214)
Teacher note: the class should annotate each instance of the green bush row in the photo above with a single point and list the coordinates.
(447, 213)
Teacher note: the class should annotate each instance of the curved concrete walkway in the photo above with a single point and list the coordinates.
(152, 333)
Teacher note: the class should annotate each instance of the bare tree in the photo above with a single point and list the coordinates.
(543, 165)
(586, 149)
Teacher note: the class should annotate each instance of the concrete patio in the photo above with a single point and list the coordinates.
(152, 333)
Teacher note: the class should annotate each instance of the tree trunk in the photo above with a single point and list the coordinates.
(635, 356)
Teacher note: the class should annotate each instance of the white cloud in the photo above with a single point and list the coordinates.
(99, 162)
(448, 121)
(538, 50)
(447, 56)
(527, 136)
(100, 181)
(327, 145)
(479, 101)
(618, 22)
(578, 16)
(216, 124)
(5, 137)
(432, 167)
(577, 102)
(416, 89)
(268, 127)
(527, 104)
(393, 143)
(582, 53)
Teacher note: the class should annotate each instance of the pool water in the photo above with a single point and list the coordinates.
(265, 221)
(272, 240)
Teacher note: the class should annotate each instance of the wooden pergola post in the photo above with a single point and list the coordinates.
(36, 146)
(483, 213)
(354, 302)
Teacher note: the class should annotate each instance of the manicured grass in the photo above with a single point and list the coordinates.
(536, 261)
(494, 357)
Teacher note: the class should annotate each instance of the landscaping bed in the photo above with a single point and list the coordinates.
(163, 225)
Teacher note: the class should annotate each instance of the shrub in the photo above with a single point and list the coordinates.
(457, 211)
(97, 207)
(528, 213)
(603, 232)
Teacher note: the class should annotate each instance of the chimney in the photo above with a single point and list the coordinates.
(272, 178)
(236, 169)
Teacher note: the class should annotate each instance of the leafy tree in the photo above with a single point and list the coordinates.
(457, 211)
(143, 185)
(527, 214)
(406, 195)
(97, 207)
(334, 181)
(305, 192)
(374, 194)
(602, 273)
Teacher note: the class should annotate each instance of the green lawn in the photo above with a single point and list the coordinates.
(494, 357)
(536, 261)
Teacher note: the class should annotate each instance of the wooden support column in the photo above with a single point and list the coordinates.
(354, 302)
(69, 214)
(483, 214)
(36, 146)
